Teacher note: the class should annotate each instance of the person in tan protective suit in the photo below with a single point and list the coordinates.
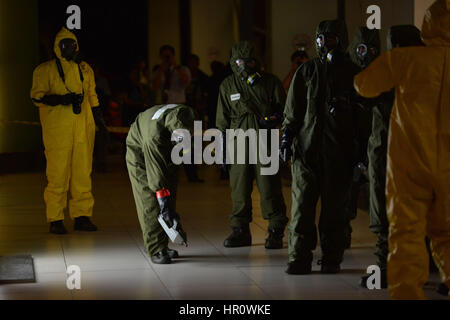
(418, 169)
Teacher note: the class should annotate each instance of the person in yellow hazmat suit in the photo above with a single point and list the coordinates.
(64, 91)
(418, 169)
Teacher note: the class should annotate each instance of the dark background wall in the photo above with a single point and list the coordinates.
(18, 57)
(113, 33)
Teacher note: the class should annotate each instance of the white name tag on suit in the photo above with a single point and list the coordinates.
(235, 97)
(161, 111)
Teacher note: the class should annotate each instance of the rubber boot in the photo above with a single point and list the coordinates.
(442, 289)
(161, 257)
(240, 237)
(57, 227)
(348, 237)
(84, 224)
(328, 267)
(173, 254)
(275, 239)
(298, 267)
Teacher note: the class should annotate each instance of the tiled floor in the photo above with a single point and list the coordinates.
(114, 264)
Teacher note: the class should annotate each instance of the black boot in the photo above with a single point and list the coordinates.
(275, 239)
(433, 266)
(240, 237)
(442, 289)
(161, 257)
(173, 254)
(84, 224)
(329, 267)
(348, 241)
(298, 267)
(57, 227)
(383, 280)
(348, 237)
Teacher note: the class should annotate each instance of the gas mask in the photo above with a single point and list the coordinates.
(69, 51)
(366, 54)
(328, 48)
(180, 135)
(249, 70)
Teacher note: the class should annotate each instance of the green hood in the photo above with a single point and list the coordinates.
(241, 50)
(182, 117)
(337, 27)
(436, 24)
(370, 38)
(403, 36)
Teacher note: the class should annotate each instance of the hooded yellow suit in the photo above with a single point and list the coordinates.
(68, 138)
(418, 170)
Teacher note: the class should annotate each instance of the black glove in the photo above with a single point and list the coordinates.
(360, 173)
(352, 98)
(100, 123)
(168, 215)
(285, 147)
(98, 118)
(54, 100)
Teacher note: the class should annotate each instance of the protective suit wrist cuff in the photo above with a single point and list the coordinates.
(162, 193)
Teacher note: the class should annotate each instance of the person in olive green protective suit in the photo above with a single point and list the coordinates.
(364, 48)
(152, 173)
(398, 36)
(64, 91)
(251, 99)
(418, 166)
(319, 132)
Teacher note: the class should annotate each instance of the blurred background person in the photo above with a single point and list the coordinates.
(170, 80)
(196, 91)
(146, 81)
(101, 136)
(297, 58)
(136, 97)
(219, 73)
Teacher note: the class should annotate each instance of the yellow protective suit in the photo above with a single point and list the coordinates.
(68, 138)
(418, 172)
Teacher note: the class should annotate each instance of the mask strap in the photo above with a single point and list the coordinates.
(63, 77)
(60, 70)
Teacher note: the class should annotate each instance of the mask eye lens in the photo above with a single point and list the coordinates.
(251, 63)
(331, 40)
(320, 40)
(361, 50)
(239, 62)
(68, 44)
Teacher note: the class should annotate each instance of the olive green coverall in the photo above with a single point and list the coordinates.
(324, 151)
(378, 141)
(240, 106)
(150, 168)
